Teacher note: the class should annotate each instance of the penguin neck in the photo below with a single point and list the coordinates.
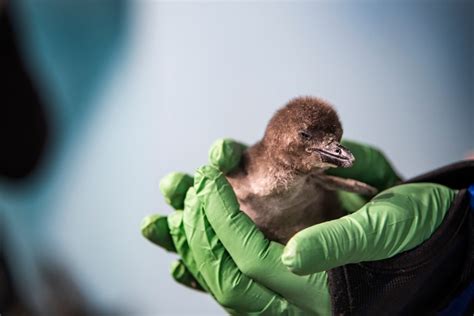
(267, 171)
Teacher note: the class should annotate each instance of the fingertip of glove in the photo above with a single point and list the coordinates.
(177, 269)
(174, 186)
(225, 154)
(181, 274)
(155, 228)
(214, 191)
(291, 257)
(205, 173)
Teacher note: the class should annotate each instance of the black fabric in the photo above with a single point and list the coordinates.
(458, 175)
(421, 281)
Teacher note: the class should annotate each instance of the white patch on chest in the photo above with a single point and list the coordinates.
(281, 204)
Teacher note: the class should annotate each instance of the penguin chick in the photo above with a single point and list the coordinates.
(280, 182)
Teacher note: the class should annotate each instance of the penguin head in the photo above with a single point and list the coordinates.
(305, 135)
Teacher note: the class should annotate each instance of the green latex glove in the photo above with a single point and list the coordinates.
(370, 167)
(223, 252)
(394, 221)
(241, 285)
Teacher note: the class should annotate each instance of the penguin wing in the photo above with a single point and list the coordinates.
(345, 184)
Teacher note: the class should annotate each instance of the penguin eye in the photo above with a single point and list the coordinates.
(304, 135)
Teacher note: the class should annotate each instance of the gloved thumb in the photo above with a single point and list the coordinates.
(225, 154)
(396, 220)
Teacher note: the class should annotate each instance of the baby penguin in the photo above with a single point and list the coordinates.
(280, 182)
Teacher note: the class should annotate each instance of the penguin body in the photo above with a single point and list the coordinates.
(281, 182)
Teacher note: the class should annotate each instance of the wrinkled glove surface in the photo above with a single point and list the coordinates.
(222, 251)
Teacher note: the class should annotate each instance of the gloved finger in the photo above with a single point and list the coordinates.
(174, 186)
(370, 166)
(178, 235)
(396, 220)
(182, 275)
(225, 154)
(155, 228)
(255, 255)
(230, 287)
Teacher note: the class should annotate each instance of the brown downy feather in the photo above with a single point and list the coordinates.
(280, 182)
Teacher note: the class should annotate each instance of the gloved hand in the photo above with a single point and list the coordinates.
(224, 253)
(242, 286)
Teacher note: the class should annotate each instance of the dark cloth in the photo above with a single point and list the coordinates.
(424, 280)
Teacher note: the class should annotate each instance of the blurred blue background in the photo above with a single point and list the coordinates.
(137, 90)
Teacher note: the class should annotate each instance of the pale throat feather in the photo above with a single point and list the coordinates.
(280, 182)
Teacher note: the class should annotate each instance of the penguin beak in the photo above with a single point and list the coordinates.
(335, 154)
